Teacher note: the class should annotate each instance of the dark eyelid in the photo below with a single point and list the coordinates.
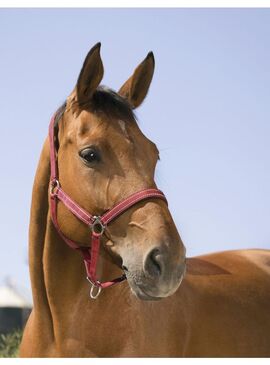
(92, 147)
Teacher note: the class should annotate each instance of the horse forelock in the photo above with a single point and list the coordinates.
(103, 101)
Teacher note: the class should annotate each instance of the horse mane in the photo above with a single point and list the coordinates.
(104, 101)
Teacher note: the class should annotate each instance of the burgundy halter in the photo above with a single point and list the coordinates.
(97, 224)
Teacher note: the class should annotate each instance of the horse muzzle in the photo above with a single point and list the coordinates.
(159, 275)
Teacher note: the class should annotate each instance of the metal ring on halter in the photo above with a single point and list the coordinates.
(98, 290)
(97, 226)
(94, 286)
(55, 184)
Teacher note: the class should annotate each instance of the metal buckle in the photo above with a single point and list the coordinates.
(93, 288)
(97, 226)
(55, 184)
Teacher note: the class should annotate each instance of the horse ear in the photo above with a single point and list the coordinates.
(136, 87)
(90, 76)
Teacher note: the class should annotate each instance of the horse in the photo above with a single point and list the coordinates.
(164, 304)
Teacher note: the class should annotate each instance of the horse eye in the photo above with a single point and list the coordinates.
(90, 155)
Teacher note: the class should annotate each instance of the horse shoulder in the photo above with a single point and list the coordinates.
(227, 300)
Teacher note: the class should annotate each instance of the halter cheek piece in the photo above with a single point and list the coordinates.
(97, 224)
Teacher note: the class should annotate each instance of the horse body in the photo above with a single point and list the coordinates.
(220, 309)
(228, 303)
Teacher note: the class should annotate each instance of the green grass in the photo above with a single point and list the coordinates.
(9, 344)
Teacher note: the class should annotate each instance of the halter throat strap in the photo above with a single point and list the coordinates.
(97, 224)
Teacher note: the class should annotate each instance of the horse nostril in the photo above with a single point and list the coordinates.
(152, 264)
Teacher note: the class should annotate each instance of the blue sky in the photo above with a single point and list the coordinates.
(208, 112)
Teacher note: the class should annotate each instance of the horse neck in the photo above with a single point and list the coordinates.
(37, 234)
(57, 272)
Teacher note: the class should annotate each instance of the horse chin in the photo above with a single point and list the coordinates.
(142, 295)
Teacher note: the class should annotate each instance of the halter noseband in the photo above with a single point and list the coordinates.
(97, 224)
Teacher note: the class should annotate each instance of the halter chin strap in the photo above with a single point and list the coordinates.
(97, 224)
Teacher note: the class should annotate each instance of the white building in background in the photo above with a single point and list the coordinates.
(15, 307)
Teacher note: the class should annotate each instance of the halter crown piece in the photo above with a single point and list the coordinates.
(97, 224)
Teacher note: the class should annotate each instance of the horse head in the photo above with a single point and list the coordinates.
(103, 157)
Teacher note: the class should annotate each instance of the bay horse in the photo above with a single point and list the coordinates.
(216, 305)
